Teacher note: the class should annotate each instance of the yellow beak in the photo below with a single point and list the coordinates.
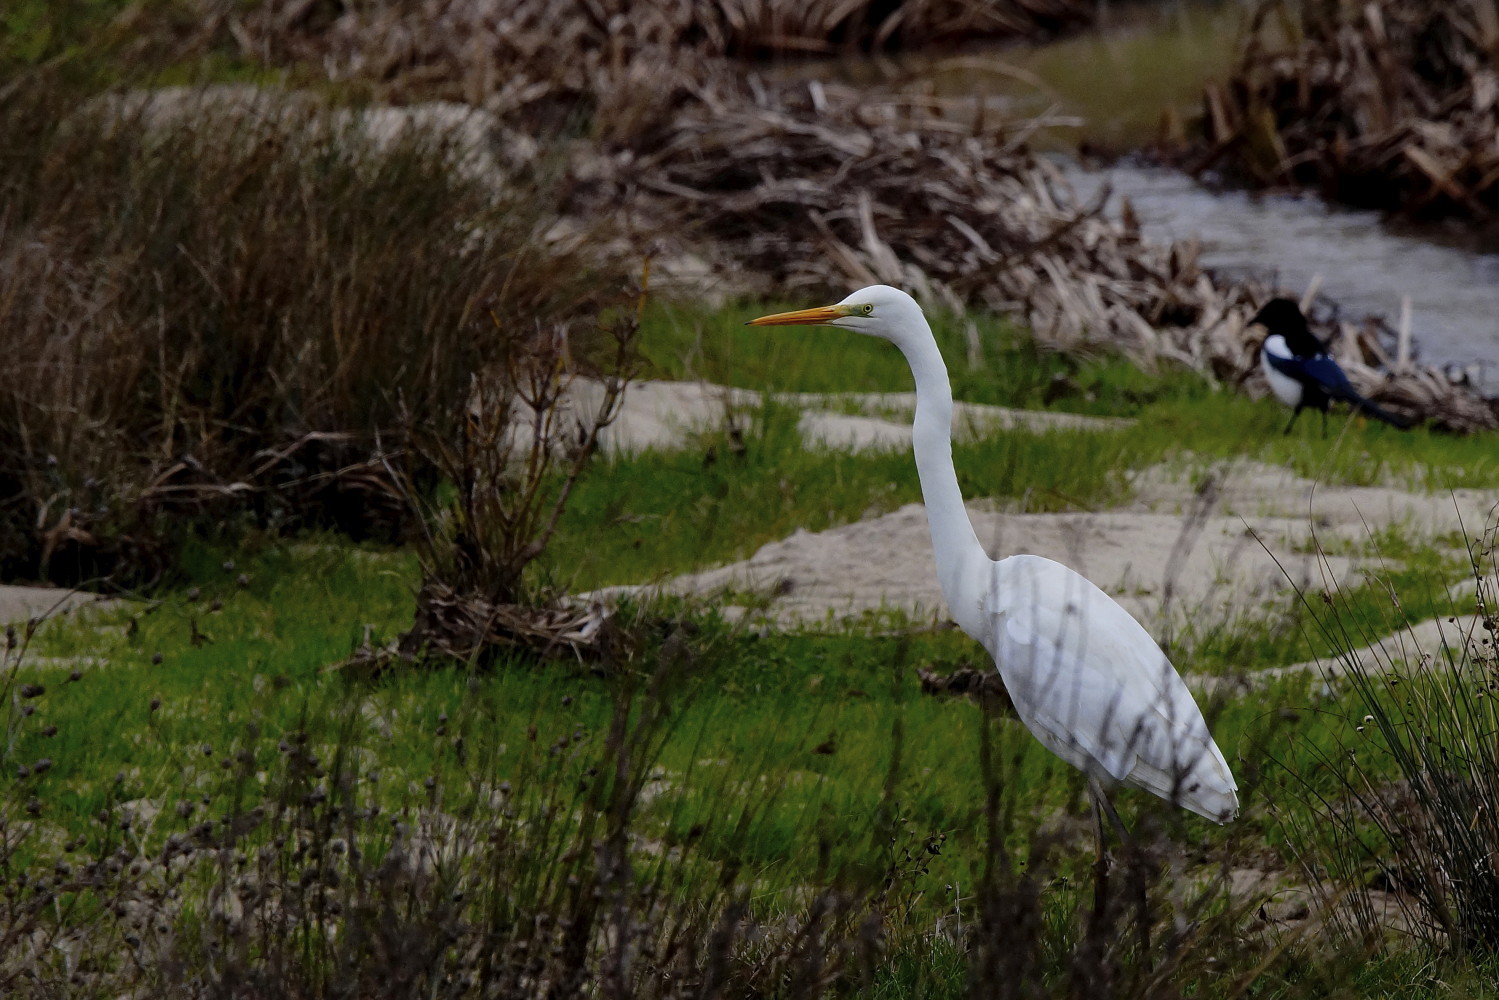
(802, 317)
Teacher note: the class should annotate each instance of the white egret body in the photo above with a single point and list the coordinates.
(1086, 678)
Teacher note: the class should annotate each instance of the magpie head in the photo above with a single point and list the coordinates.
(1283, 317)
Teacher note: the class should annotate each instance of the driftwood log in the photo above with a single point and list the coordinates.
(983, 685)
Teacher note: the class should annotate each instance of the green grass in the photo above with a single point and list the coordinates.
(794, 760)
(788, 760)
(97, 44)
(1177, 412)
(304, 608)
(642, 517)
(638, 518)
(754, 713)
(686, 341)
(34, 31)
(1352, 452)
(754, 707)
(261, 658)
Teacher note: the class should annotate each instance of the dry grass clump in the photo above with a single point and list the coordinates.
(1388, 105)
(237, 306)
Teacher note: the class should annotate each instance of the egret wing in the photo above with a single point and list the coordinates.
(1094, 687)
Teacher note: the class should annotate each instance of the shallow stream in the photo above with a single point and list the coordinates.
(1363, 264)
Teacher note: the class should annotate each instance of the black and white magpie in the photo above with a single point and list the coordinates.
(1300, 371)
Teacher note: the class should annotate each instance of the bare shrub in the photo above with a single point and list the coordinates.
(509, 459)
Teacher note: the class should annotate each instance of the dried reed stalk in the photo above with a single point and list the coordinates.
(477, 46)
(1386, 104)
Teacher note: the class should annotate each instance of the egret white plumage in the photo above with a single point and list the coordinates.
(1300, 371)
(1086, 678)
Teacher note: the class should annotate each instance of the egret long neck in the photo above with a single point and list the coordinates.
(954, 543)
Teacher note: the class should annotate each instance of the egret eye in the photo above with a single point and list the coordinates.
(867, 308)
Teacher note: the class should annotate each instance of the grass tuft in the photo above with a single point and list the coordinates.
(228, 303)
(1407, 785)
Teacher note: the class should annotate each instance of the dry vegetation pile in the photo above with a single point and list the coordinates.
(785, 186)
(821, 187)
(1390, 105)
(483, 49)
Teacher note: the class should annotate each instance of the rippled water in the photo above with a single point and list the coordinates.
(1363, 264)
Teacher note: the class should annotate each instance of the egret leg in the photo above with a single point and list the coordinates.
(1101, 854)
(1102, 862)
(1125, 837)
(1101, 806)
(1135, 874)
(1101, 803)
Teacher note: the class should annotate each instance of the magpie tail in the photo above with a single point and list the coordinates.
(1368, 409)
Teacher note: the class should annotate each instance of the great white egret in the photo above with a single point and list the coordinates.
(1300, 371)
(1086, 678)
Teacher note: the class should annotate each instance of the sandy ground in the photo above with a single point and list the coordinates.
(20, 604)
(1167, 559)
(664, 414)
(1199, 548)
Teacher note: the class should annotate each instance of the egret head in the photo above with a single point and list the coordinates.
(879, 310)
